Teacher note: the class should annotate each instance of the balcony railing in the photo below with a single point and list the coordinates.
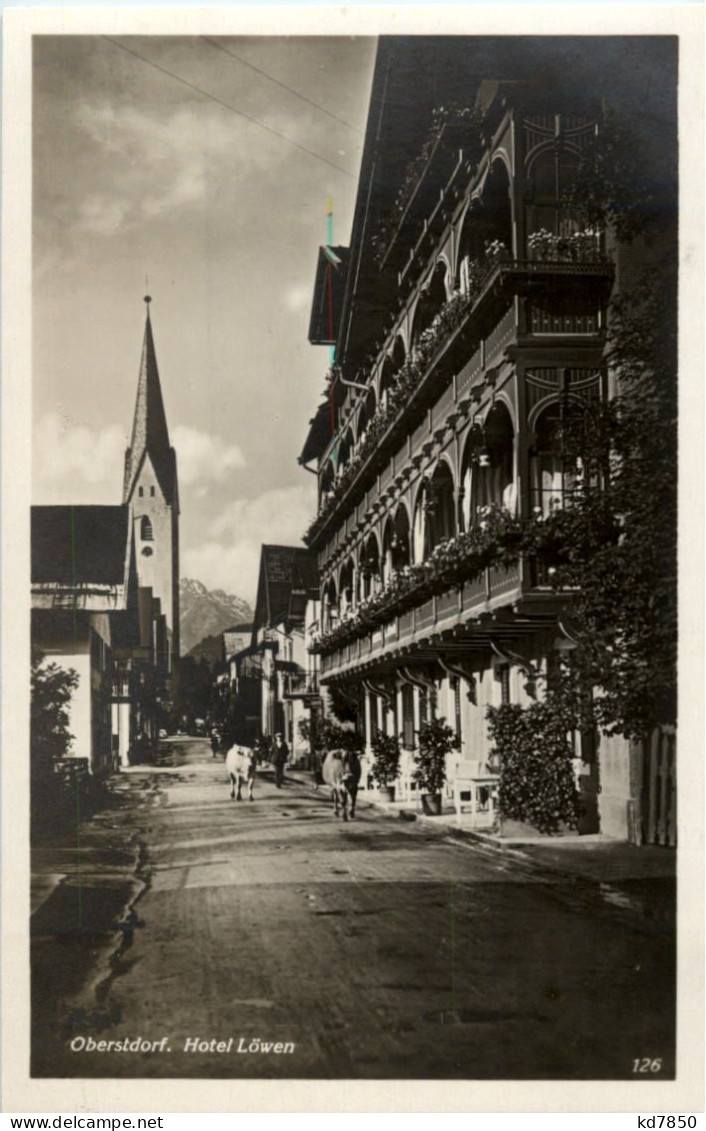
(451, 133)
(493, 541)
(431, 616)
(462, 605)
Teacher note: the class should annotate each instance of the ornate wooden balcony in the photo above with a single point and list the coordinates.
(501, 602)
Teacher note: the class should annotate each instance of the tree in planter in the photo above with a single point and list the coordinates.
(534, 753)
(386, 764)
(436, 741)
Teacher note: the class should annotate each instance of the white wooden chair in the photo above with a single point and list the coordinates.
(475, 795)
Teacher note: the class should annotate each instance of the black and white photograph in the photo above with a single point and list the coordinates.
(352, 556)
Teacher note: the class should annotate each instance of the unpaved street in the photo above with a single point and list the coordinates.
(373, 949)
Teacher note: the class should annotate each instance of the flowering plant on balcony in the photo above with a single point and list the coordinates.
(495, 539)
(577, 247)
(499, 532)
(404, 382)
(496, 249)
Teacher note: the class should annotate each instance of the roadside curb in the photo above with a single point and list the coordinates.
(493, 847)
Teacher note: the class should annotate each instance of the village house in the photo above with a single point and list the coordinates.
(89, 615)
(105, 593)
(468, 318)
(235, 640)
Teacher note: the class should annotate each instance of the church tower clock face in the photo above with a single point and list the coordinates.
(150, 488)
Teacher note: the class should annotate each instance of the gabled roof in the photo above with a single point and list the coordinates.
(150, 435)
(76, 546)
(283, 570)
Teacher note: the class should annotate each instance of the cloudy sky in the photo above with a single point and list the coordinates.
(138, 175)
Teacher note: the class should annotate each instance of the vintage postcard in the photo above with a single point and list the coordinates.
(348, 437)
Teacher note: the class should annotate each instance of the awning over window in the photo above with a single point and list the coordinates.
(319, 434)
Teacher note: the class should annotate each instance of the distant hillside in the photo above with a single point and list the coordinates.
(207, 612)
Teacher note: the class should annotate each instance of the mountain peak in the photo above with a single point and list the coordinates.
(207, 612)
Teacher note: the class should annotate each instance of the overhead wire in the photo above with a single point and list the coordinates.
(228, 106)
(278, 82)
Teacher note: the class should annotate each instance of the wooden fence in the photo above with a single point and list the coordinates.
(659, 788)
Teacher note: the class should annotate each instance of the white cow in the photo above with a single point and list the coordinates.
(341, 773)
(240, 765)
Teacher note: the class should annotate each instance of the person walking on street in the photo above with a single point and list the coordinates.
(280, 753)
(317, 766)
(215, 741)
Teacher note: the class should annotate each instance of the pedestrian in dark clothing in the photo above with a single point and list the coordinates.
(215, 741)
(280, 754)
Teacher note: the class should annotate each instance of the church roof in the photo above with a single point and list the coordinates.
(150, 435)
(79, 545)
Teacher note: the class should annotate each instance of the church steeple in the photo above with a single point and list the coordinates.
(150, 435)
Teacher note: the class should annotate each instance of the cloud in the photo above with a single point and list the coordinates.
(298, 297)
(102, 215)
(78, 464)
(203, 458)
(230, 558)
(153, 163)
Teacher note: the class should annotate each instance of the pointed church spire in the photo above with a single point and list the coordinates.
(150, 435)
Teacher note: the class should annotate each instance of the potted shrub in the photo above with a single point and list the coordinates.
(436, 740)
(386, 764)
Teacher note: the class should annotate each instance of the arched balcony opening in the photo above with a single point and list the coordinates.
(386, 380)
(396, 545)
(496, 203)
(551, 175)
(365, 414)
(347, 588)
(440, 508)
(494, 474)
(370, 567)
(326, 482)
(420, 523)
(554, 476)
(487, 225)
(470, 472)
(146, 531)
(431, 300)
(344, 451)
(398, 353)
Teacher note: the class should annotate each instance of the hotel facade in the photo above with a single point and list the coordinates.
(468, 318)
